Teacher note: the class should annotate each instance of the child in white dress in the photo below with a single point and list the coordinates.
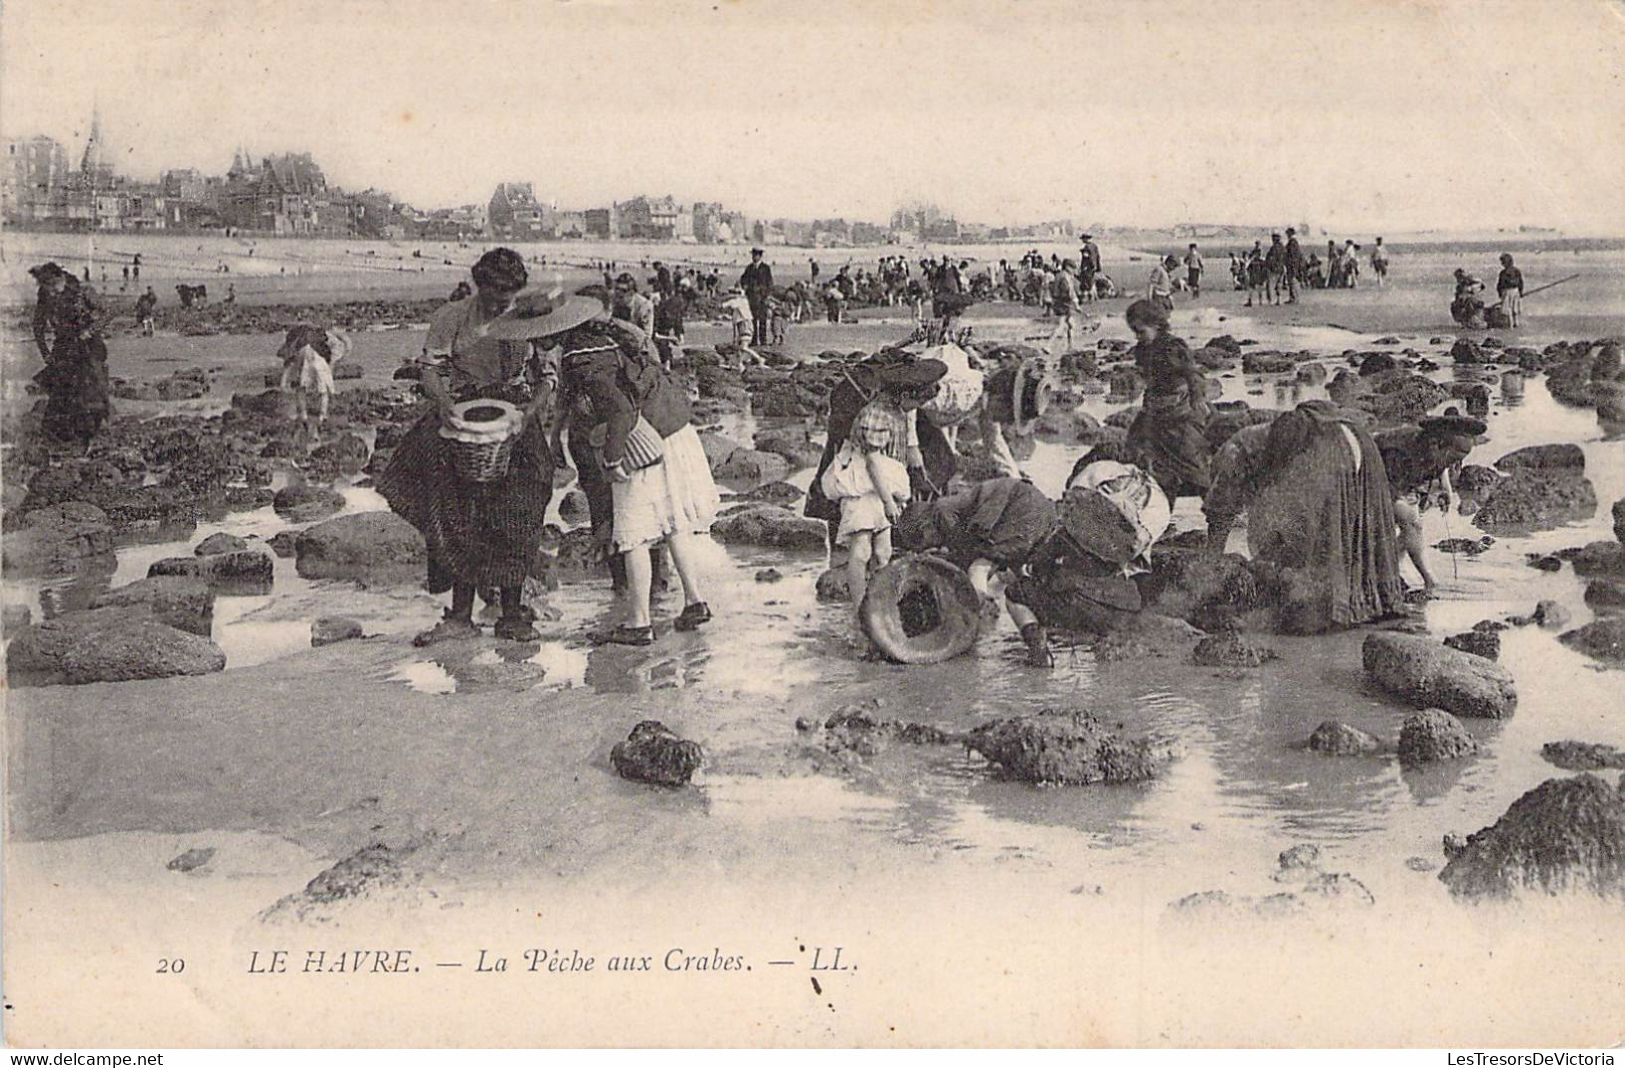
(872, 487)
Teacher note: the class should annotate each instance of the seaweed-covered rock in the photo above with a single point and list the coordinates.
(184, 602)
(1601, 639)
(1484, 643)
(1230, 649)
(367, 547)
(331, 629)
(1583, 756)
(1563, 456)
(752, 466)
(57, 538)
(220, 542)
(832, 586)
(1266, 362)
(1551, 614)
(770, 525)
(1534, 497)
(1464, 546)
(1597, 558)
(652, 753)
(112, 644)
(771, 493)
(1567, 834)
(1605, 593)
(1339, 739)
(1619, 519)
(1071, 748)
(1427, 674)
(1432, 735)
(247, 572)
(306, 503)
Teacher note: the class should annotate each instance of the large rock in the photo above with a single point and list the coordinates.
(1564, 456)
(1602, 639)
(772, 526)
(54, 540)
(1230, 649)
(1583, 756)
(752, 466)
(1266, 362)
(654, 754)
(115, 644)
(1339, 739)
(1604, 594)
(307, 503)
(1597, 558)
(183, 602)
(1567, 834)
(248, 572)
(718, 447)
(1485, 643)
(1619, 519)
(1427, 674)
(1537, 498)
(331, 629)
(218, 543)
(1071, 748)
(373, 547)
(1431, 735)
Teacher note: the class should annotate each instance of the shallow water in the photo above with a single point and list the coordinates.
(1243, 788)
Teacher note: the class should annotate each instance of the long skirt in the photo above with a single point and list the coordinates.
(1330, 527)
(77, 389)
(1169, 440)
(478, 533)
(675, 496)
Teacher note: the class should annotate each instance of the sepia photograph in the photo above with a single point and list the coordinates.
(772, 524)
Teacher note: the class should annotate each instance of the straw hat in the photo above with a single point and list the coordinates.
(535, 315)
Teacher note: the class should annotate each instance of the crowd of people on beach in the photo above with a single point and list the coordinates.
(586, 380)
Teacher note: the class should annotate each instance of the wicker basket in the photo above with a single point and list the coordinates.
(480, 435)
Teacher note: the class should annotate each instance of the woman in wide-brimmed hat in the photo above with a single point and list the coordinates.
(68, 324)
(484, 534)
(1167, 437)
(1419, 460)
(660, 482)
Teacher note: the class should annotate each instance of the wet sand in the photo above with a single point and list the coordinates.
(490, 778)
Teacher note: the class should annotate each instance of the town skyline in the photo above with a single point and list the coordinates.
(851, 110)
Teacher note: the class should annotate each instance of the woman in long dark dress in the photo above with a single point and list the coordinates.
(1168, 437)
(481, 534)
(1319, 505)
(75, 374)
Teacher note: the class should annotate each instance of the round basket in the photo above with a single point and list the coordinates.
(479, 434)
(921, 610)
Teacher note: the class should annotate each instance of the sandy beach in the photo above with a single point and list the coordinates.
(482, 770)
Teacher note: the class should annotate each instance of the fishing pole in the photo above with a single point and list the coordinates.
(1549, 285)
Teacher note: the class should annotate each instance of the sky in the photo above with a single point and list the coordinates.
(1364, 115)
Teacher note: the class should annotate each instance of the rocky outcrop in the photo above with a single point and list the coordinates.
(56, 539)
(1426, 674)
(183, 602)
(1334, 738)
(1583, 756)
(218, 543)
(1563, 456)
(1070, 748)
(1230, 649)
(247, 572)
(1432, 735)
(1484, 643)
(1597, 558)
(771, 526)
(752, 466)
(370, 547)
(654, 754)
(307, 503)
(331, 629)
(114, 644)
(1537, 498)
(1567, 834)
(1605, 594)
(1602, 639)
